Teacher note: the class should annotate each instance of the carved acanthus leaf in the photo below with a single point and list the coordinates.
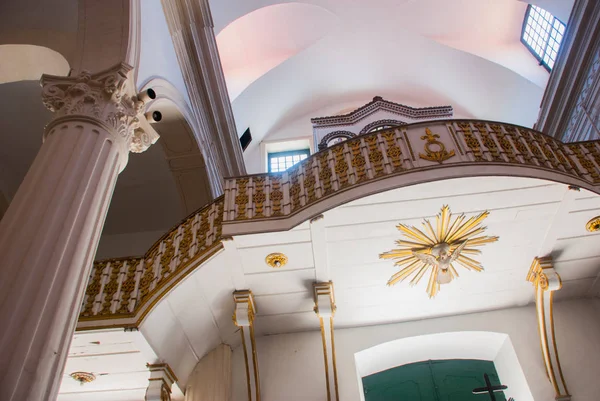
(106, 97)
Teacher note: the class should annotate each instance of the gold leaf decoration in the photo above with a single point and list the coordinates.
(276, 260)
(83, 377)
(593, 225)
(437, 249)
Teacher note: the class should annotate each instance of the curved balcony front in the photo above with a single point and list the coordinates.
(121, 292)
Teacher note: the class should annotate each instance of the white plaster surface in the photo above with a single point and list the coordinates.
(291, 365)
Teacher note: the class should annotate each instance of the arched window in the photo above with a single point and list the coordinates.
(381, 125)
(334, 138)
(542, 35)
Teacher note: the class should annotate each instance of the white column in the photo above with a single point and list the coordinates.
(211, 378)
(243, 317)
(161, 381)
(545, 280)
(49, 234)
(192, 30)
(325, 309)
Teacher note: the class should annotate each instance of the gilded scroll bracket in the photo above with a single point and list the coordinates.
(545, 281)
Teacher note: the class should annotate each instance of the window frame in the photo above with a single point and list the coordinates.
(270, 155)
(540, 58)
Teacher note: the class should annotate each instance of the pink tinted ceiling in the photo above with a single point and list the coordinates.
(257, 42)
(466, 53)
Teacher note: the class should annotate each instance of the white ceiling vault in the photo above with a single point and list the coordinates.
(532, 218)
(287, 61)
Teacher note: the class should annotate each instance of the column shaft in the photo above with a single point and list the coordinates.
(50, 232)
(48, 239)
(211, 378)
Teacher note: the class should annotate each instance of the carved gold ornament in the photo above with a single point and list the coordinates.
(439, 152)
(276, 260)
(593, 225)
(83, 377)
(435, 250)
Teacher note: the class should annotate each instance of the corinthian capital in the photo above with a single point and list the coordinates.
(108, 98)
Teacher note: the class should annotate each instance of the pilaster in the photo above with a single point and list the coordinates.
(546, 281)
(161, 381)
(192, 31)
(325, 310)
(243, 317)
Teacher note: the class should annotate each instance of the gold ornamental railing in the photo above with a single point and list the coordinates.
(124, 290)
(358, 165)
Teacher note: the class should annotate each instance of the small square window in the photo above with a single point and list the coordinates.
(281, 161)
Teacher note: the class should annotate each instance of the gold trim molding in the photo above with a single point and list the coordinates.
(546, 281)
(276, 260)
(593, 225)
(243, 317)
(325, 309)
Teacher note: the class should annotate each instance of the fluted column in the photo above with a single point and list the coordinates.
(211, 378)
(50, 232)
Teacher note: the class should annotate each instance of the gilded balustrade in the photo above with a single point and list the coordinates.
(123, 290)
(127, 288)
(399, 152)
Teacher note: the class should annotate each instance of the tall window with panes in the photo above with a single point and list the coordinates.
(542, 35)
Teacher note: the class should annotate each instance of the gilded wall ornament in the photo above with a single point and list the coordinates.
(435, 250)
(593, 225)
(276, 260)
(440, 154)
(83, 377)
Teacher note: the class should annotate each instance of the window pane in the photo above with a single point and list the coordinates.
(281, 161)
(543, 33)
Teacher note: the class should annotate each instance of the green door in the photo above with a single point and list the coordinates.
(443, 380)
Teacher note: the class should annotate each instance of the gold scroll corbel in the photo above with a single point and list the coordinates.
(161, 381)
(545, 281)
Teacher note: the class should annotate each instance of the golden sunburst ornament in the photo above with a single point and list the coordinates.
(436, 250)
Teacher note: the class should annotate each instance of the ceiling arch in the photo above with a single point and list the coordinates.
(183, 156)
(52, 25)
(29, 62)
(420, 53)
(257, 42)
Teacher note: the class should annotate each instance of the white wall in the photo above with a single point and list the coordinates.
(291, 365)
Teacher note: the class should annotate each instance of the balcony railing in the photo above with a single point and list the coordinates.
(124, 290)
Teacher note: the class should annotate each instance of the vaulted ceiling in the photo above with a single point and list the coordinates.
(285, 62)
